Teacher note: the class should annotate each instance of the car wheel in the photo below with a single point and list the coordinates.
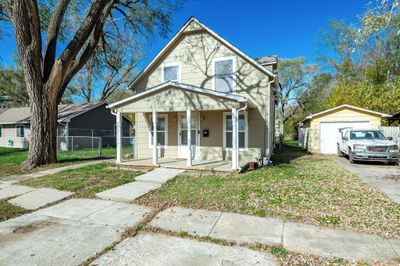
(339, 152)
(351, 157)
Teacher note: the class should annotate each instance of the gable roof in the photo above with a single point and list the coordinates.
(15, 115)
(186, 87)
(193, 21)
(21, 115)
(346, 106)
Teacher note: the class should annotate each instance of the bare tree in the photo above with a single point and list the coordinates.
(294, 75)
(48, 72)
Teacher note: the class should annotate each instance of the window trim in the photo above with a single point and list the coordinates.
(165, 131)
(16, 131)
(246, 131)
(218, 59)
(178, 64)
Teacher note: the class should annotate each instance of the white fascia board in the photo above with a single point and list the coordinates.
(180, 86)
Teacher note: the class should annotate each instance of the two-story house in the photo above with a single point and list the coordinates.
(202, 99)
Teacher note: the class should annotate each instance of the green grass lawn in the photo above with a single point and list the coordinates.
(11, 159)
(85, 181)
(299, 187)
(8, 211)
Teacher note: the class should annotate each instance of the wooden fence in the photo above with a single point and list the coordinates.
(304, 137)
(393, 132)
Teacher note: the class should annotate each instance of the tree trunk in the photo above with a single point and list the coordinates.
(40, 128)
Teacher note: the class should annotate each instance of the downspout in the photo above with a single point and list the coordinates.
(237, 137)
(268, 115)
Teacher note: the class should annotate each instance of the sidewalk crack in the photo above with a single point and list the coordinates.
(215, 223)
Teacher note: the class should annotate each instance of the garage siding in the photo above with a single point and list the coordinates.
(341, 115)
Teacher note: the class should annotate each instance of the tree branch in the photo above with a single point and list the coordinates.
(52, 36)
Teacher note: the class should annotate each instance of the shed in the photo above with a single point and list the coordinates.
(319, 132)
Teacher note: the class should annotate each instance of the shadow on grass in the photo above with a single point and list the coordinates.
(80, 159)
(9, 151)
(287, 154)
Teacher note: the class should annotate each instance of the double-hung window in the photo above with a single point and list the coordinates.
(224, 74)
(242, 130)
(162, 130)
(171, 72)
(20, 131)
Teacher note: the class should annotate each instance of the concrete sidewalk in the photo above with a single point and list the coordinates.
(156, 249)
(17, 178)
(67, 233)
(142, 185)
(296, 237)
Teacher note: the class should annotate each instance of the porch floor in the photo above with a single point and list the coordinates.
(198, 165)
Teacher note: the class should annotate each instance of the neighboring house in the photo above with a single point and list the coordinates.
(318, 133)
(227, 96)
(73, 120)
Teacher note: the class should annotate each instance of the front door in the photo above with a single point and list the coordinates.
(182, 135)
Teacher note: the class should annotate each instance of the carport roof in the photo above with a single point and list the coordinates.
(345, 106)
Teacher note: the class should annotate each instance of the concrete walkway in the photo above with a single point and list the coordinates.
(156, 249)
(67, 233)
(296, 237)
(18, 178)
(385, 178)
(142, 185)
(31, 198)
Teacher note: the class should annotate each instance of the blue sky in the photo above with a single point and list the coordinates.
(258, 27)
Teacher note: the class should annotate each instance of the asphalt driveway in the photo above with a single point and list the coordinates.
(385, 178)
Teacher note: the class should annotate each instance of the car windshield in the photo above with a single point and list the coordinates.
(367, 134)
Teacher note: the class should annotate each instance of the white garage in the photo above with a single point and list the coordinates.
(322, 129)
(329, 133)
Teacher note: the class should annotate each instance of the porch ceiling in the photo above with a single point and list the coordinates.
(172, 96)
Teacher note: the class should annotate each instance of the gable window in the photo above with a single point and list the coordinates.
(228, 130)
(224, 74)
(162, 130)
(171, 72)
(20, 131)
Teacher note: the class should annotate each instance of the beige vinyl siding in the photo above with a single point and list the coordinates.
(342, 115)
(9, 133)
(195, 52)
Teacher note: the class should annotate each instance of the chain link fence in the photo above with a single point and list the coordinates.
(96, 146)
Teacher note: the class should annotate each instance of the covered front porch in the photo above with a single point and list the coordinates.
(179, 119)
(198, 165)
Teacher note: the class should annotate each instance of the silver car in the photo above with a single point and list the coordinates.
(367, 145)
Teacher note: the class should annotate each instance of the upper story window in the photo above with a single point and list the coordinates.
(20, 131)
(171, 72)
(224, 74)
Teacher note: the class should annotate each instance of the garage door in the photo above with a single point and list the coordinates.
(329, 134)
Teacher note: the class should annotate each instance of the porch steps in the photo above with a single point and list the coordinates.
(142, 185)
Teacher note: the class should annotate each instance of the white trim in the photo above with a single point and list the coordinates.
(198, 136)
(178, 64)
(16, 130)
(183, 87)
(212, 33)
(226, 58)
(246, 131)
(165, 131)
(348, 106)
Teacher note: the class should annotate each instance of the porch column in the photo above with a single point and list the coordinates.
(234, 138)
(154, 119)
(118, 126)
(189, 137)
